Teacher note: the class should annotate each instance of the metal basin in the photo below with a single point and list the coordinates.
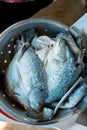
(43, 27)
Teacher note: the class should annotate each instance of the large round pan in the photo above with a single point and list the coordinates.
(43, 27)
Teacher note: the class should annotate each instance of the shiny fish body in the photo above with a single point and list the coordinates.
(14, 86)
(34, 79)
(75, 97)
(26, 79)
(61, 70)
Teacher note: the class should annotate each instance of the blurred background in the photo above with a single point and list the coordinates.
(65, 11)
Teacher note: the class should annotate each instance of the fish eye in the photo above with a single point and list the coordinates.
(52, 45)
(41, 89)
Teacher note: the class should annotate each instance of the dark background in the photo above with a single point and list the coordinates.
(65, 11)
(14, 12)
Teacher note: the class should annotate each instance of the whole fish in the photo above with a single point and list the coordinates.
(61, 70)
(26, 79)
(34, 79)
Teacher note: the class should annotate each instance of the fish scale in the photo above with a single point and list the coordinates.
(33, 67)
(27, 83)
(34, 78)
(60, 70)
(59, 82)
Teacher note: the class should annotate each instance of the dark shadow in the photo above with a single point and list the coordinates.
(14, 12)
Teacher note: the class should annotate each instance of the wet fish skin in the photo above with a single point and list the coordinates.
(60, 69)
(75, 97)
(70, 42)
(25, 78)
(33, 78)
(14, 86)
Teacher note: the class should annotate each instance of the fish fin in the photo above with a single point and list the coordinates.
(24, 48)
(29, 34)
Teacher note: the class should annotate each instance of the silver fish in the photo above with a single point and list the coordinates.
(75, 97)
(26, 79)
(14, 86)
(34, 79)
(61, 70)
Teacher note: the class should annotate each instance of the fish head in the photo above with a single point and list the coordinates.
(36, 99)
(60, 50)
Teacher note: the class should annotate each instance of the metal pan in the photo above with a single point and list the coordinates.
(44, 27)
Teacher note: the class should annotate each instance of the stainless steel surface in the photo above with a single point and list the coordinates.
(43, 27)
(70, 120)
